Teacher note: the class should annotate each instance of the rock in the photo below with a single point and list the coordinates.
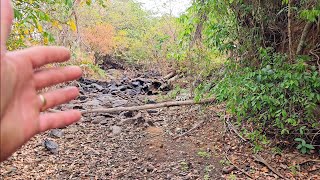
(104, 122)
(127, 114)
(135, 84)
(93, 102)
(152, 111)
(51, 146)
(228, 169)
(131, 92)
(122, 88)
(77, 107)
(149, 123)
(56, 133)
(82, 98)
(105, 100)
(151, 101)
(114, 92)
(179, 130)
(150, 168)
(98, 119)
(115, 130)
(96, 86)
(113, 88)
(119, 103)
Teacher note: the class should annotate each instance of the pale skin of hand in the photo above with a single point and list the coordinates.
(21, 118)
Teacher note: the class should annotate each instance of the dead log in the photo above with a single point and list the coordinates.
(171, 80)
(149, 106)
(170, 75)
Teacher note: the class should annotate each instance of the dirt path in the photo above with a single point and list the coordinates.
(129, 145)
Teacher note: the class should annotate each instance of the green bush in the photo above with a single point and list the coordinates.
(278, 98)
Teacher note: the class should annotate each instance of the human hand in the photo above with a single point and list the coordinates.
(21, 78)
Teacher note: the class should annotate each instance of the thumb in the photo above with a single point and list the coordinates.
(6, 21)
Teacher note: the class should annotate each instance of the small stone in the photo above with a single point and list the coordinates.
(150, 123)
(56, 133)
(152, 111)
(127, 114)
(51, 146)
(151, 101)
(179, 131)
(135, 83)
(150, 168)
(104, 122)
(82, 98)
(98, 87)
(131, 92)
(96, 121)
(122, 88)
(118, 103)
(116, 130)
(77, 107)
(228, 169)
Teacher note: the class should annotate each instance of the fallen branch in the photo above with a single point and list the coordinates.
(309, 160)
(239, 168)
(170, 75)
(144, 107)
(261, 160)
(148, 106)
(193, 128)
(171, 80)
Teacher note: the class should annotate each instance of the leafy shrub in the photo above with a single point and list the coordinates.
(280, 99)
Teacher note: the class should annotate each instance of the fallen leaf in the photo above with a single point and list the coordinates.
(264, 169)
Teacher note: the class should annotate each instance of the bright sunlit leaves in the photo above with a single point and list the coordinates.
(72, 25)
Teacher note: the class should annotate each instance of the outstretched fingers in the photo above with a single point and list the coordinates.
(59, 96)
(49, 77)
(42, 55)
(58, 120)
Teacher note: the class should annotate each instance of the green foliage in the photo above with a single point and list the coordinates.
(261, 86)
(303, 146)
(310, 14)
(225, 162)
(203, 154)
(184, 166)
(207, 170)
(276, 150)
(294, 169)
(277, 96)
(33, 20)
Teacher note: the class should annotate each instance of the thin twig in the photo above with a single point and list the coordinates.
(239, 168)
(261, 160)
(318, 58)
(234, 129)
(314, 170)
(193, 128)
(317, 133)
(309, 160)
